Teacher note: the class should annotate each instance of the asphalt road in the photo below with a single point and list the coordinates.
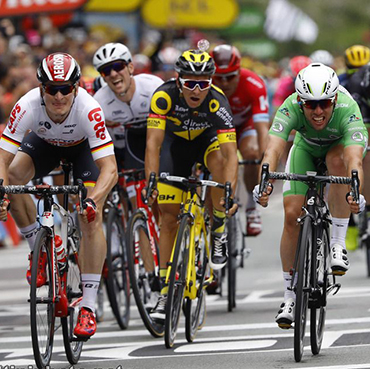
(245, 338)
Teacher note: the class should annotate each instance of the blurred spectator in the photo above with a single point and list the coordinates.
(324, 57)
(167, 58)
(142, 64)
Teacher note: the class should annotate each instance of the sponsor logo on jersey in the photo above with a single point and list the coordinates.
(285, 111)
(15, 118)
(357, 137)
(353, 118)
(277, 127)
(225, 116)
(253, 81)
(96, 116)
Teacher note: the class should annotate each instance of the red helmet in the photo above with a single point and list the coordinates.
(297, 63)
(227, 59)
(58, 67)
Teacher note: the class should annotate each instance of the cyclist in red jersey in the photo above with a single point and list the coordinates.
(247, 96)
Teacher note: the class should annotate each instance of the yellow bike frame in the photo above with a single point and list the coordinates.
(193, 207)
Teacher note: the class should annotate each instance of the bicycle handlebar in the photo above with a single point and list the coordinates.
(311, 177)
(150, 188)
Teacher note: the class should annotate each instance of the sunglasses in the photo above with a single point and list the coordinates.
(312, 104)
(54, 89)
(117, 66)
(190, 84)
(226, 77)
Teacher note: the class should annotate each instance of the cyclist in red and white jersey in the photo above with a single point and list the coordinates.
(64, 122)
(247, 96)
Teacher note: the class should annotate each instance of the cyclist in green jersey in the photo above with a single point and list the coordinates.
(329, 126)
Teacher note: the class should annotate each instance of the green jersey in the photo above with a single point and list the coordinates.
(345, 126)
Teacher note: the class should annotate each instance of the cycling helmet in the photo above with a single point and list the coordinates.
(195, 62)
(58, 67)
(227, 59)
(322, 56)
(109, 53)
(356, 56)
(317, 82)
(297, 63)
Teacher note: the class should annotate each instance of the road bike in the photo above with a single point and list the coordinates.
(189, 272)
(61, 293)
(312, 259)
(142, 238)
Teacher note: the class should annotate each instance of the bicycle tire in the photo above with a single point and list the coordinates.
(118, 281)
(195, 309)
(42, 306)
(318, 305)
(73, 348)
(302, 295)
(144, 283)
(232, 263)
(177, 281)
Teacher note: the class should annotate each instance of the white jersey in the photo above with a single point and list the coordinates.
(136, 112)
(85, 121)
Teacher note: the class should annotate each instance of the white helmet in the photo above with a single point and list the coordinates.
(316, 82)
(322, 56)
(111, 52)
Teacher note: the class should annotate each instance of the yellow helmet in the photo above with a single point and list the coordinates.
(356, 56)
(195, 62)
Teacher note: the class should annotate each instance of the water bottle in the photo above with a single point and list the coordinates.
(61, 253)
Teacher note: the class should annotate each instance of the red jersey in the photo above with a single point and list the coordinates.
(249, 102)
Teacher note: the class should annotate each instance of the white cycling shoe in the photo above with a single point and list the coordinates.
(285, 315)
(339, 259)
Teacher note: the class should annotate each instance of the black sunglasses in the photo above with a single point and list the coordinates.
(117, 66)
(312, 104)
(54, 89)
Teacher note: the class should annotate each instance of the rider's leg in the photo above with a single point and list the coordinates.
(248, 147)
(23, 208)
(339, 210)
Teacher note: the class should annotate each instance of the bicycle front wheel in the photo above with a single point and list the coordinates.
(118, 282)
(73, 348)
(177, 282)
(195, 310)
(318, 302)
(302, 293)
(141, 265)
(42, 306)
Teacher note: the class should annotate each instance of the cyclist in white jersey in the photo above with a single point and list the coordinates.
(125, 100)
(64, 122)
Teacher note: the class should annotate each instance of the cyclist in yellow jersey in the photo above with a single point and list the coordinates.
(190, 122)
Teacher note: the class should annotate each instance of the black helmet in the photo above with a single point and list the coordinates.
(195, 62)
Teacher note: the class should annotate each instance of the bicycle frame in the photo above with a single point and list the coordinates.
(192, 208)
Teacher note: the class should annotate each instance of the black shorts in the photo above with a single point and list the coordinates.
(178, 155)
(47, 157)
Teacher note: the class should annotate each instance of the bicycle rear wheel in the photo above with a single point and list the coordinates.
(118, 281)
(42, 306)
(177, 282)
(195, 310)
(232, 262)
(302, 294)
(318, 302)
(73, 348)
(141, 265)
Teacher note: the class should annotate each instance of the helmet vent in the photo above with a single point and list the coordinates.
(112, 51)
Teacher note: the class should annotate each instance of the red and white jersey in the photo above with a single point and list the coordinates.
(85, 121)
(249, 102)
